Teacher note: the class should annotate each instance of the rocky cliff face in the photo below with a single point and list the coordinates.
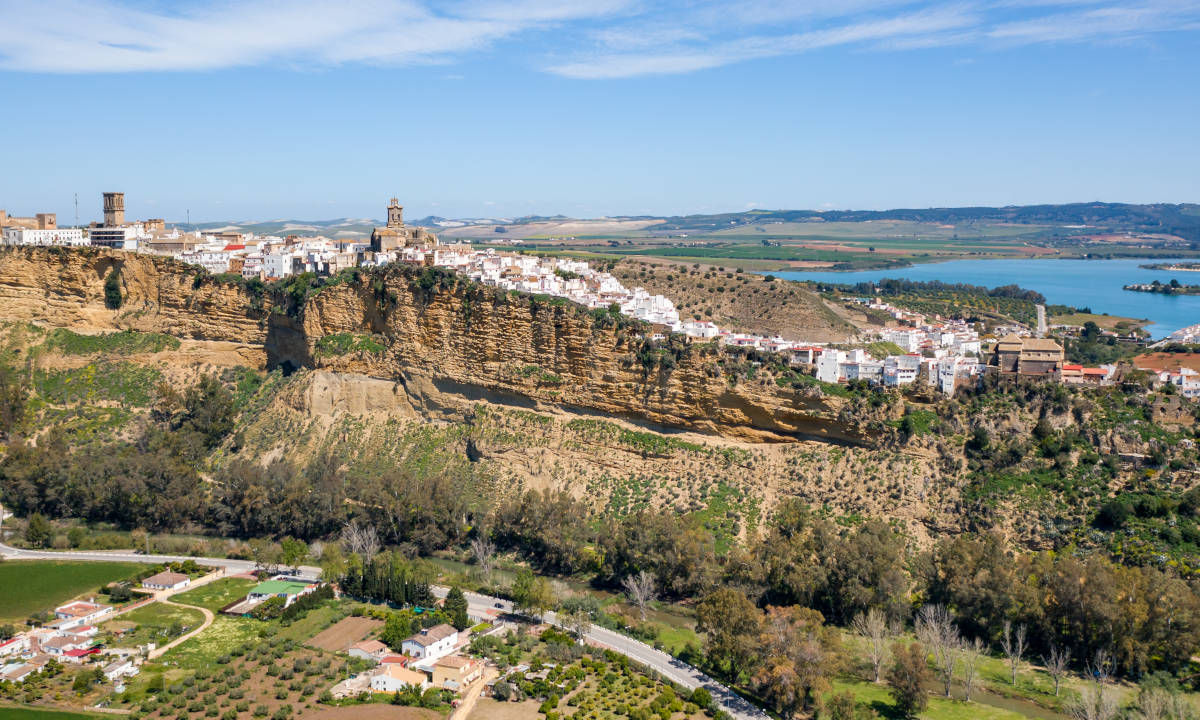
(429, 332)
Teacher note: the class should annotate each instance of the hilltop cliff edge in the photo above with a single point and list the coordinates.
(430, 332)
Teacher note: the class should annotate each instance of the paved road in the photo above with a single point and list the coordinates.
(669, 667)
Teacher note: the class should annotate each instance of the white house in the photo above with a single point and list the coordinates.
(829, 366)
(33, 236)
(166, 580)
(119, 668)
(431, 643)
(16, 645)
(901, 369)
(392, 677)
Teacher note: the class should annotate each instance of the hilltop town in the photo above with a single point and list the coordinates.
(945, 353)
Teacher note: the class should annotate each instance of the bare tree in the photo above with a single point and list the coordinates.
(1154, 704)
(484, 553)
(361, 539)
(936, 631)
(971, 655)
(872, 626)
(1013, 644)
(1096, 702)
(641, 590)
(1101, 666)
(316, 550)
(1056, 664)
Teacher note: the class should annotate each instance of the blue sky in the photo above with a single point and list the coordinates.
(265, 109)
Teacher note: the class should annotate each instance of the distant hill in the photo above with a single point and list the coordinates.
(1182, 219)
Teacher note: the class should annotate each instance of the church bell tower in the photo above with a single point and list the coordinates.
(395, 214)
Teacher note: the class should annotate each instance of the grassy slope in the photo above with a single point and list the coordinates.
(27, 586)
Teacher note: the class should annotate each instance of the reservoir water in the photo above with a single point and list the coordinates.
(1094, 284)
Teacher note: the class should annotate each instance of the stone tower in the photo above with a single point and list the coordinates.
(114, 209)
(395, 214)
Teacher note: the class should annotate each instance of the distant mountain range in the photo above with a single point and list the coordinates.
(1182, 219)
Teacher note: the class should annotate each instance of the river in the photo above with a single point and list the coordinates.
(1095, 284)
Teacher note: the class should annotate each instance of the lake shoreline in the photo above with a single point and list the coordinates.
(1093, 283)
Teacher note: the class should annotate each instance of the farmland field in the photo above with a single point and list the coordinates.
(344, 633)
(27, 586)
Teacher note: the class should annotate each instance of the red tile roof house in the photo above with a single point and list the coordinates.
(369, 650)
(166, 581)
(16, 645)
(80, 613)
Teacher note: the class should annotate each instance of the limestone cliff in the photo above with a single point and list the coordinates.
(431, 333)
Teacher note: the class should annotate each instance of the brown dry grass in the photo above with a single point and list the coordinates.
(489, 709)
(1167, 361)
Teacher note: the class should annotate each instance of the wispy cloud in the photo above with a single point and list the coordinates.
(591, 39)
(113, 36)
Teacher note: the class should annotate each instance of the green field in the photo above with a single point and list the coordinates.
(222, 636)
(27, 586)
(9, 712)
(159, 623)
(216, 594)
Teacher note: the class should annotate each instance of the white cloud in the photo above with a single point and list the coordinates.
(590, 38)
(111, 36)
(917, 27)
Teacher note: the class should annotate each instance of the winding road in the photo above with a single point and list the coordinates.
(483, 605)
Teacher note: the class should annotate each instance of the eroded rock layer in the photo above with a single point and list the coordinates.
(429, 332)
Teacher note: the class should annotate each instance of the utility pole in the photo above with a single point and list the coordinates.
(76, 209)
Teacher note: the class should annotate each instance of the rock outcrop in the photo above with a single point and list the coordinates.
(429, 332)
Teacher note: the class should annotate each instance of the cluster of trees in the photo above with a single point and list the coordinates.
(386, 577)
(900, 286)
(151, 482)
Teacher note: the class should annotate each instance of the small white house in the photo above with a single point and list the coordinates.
(119, 668)
(431, 643)
(166, 581)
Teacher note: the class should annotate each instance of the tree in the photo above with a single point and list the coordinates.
(1095, 702)
(396, 628)
(455, 606)
(936, 630)
(971, 655)
(1013, 643)
(731, 626)
(576, 615)
(38, 531)
(907, 677)
(801, 655)
(641, 590)
(14, 398)
(1056, 664)
(484, 551)
(112, 290)
(362, 540)
(531, 594)
(872, 626)
(294, 551)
